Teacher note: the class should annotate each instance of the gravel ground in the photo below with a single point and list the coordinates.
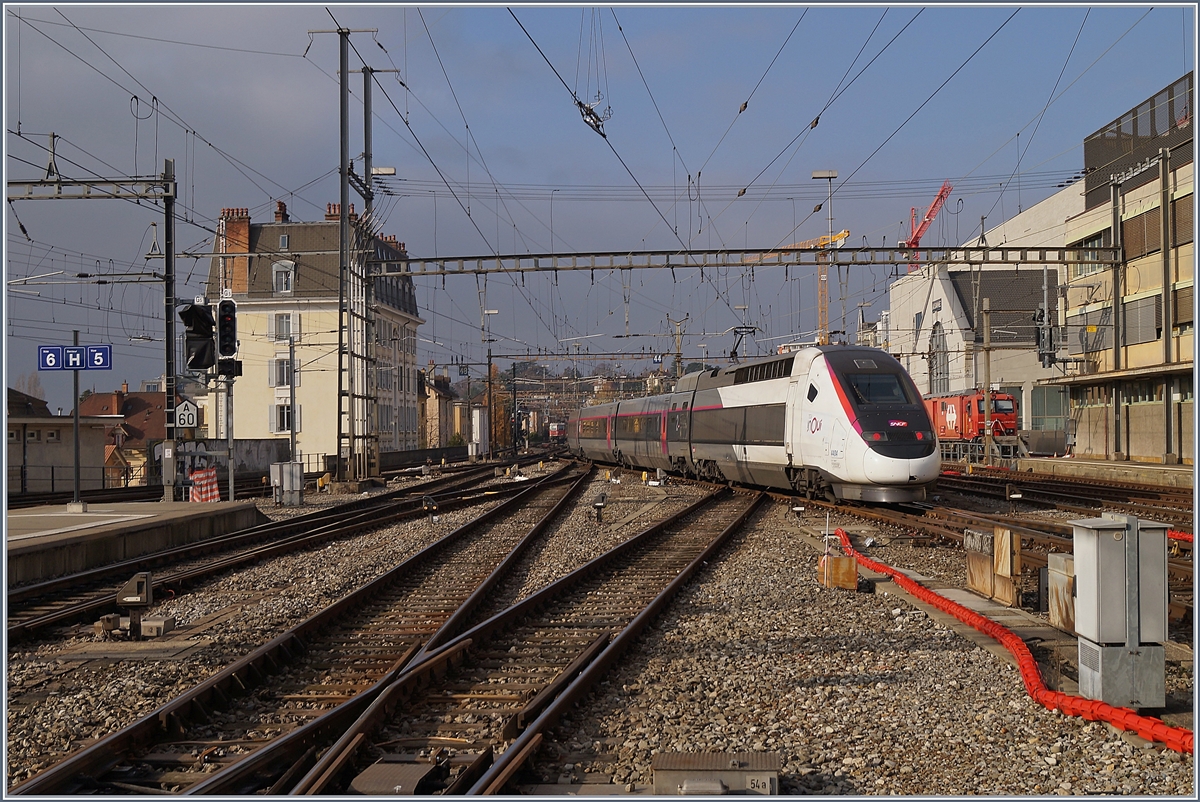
(90, 700)
(858, 693)
(58, 704)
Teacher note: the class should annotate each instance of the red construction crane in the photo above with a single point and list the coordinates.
(918, 231)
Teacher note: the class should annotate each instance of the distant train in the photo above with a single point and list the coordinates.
(838, 421)
(558, 433)
(959, 416)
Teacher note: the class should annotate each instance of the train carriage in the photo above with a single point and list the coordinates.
(842, 421)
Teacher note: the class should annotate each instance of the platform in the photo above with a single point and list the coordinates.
(45, 542)
(1138, 472)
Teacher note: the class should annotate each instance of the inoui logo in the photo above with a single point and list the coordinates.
(814, 425)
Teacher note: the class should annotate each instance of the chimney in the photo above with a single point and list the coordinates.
(281, 215)
(236, 222)
(125, 387)
(333, 211)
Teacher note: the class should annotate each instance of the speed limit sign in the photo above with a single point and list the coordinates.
(186, 415)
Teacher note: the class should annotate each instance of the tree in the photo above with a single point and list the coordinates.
(31, 384)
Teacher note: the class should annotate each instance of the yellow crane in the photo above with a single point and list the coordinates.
(823, 242)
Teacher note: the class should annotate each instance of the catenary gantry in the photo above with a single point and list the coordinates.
(752, 258)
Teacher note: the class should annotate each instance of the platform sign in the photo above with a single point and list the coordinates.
(74, 357)
(99, 357)
(50, 357)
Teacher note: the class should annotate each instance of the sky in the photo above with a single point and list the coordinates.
(475, 108)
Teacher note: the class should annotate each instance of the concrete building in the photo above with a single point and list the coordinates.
(935, 320)
(284, 276)
(1122, 385)
(41, 447)
(439, 403)
(1131, 327)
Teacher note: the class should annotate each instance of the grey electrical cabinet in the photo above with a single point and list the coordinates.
(1100, 580)
(1120, 589)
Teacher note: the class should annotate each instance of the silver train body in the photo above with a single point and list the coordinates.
(837, 421)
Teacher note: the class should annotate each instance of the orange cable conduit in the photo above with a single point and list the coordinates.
(1152, 729)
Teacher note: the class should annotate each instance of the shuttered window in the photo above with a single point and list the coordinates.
(1142, 320)
(1089, 332)
(1181, 310)
(1182, 211)
(1143, 234)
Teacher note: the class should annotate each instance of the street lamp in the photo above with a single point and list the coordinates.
(552, 219)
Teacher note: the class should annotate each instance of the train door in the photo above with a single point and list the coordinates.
(789, 421)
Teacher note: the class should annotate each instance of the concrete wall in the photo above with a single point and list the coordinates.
(50, 458)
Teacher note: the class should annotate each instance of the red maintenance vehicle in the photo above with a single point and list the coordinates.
(959, 416)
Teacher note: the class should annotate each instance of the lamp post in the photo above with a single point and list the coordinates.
(552, 219)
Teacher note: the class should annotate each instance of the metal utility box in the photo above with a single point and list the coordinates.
(715, 773)
(1101, 581)
(287, 481)
(1120, 588)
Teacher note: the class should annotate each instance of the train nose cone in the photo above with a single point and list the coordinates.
(890, 470)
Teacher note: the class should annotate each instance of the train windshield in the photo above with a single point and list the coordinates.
(869, 389)
(1006, 405)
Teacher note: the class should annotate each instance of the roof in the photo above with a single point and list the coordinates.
(1015, 294)
(312, 248)
(143, 417)
(25, 405)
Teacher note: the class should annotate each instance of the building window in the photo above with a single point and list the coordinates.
(280, 418)
(281, 372)
(939, 361)
(1088, 257)
(13, 435)
(53, 436)
(283, 242)
(284, 325)
(283, 276)
(33, 435)
(1049, 409)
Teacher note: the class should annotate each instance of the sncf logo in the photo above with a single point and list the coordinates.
(897, 423)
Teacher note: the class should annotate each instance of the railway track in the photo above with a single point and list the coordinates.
(1168, 507)
(499, 686)
(76, 597)
(282, 694)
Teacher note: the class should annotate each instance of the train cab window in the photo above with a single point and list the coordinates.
(812, 392)
(877, 388)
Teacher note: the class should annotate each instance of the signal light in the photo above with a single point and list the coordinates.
(199, 349)
(227, 328)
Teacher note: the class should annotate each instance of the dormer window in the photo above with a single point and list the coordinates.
(283, 242)
(283, 274)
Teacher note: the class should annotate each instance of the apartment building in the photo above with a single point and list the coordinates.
(284, 277)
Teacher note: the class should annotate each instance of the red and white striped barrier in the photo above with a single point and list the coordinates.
(204, 485)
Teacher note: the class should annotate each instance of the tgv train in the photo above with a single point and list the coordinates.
(839, 421)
